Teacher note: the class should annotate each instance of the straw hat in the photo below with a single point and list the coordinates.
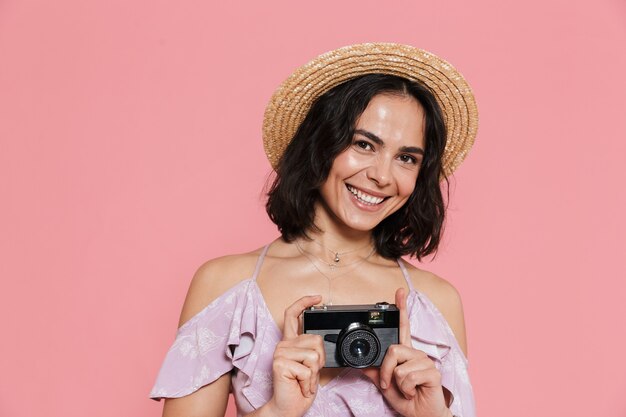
(293, 99)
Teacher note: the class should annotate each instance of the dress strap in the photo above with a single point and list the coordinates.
(259, 262)
(407, 277)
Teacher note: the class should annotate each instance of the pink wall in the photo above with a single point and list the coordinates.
(130, 153)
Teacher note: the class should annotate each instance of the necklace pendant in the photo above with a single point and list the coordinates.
(336, 257)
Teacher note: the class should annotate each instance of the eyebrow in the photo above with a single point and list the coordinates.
(379, 141)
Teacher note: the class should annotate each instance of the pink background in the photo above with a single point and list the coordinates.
(130, 153)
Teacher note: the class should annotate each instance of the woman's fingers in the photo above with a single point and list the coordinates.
(405, 325)
(399, 361)
(293, 312)
(396, 355)
(408, 378)
(299, 357)
(408, 368)
(409, 383)
(291, 370)
(311, 358)
(313, 343)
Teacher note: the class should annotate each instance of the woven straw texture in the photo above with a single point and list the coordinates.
(293, 99)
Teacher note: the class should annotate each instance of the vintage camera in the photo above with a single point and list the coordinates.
(355, 336)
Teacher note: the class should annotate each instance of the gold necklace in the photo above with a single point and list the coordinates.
(335, 253)
(329, 279)
(335, 263)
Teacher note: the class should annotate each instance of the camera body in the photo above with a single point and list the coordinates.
(355, 336)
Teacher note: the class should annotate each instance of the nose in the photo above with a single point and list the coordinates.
(379, 172)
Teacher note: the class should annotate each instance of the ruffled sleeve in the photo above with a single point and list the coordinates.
(431, 334)
(204, 346)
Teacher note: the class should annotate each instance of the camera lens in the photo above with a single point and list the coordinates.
(358, 347)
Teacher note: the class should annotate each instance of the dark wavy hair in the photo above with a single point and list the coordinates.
(327, 130)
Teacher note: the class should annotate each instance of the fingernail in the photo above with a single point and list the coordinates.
(383, 384)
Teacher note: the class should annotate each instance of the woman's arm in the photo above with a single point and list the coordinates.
(297, 362)
(208, 401)
(298, 358)
(209, 282)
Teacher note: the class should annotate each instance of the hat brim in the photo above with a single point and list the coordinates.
(293, 99)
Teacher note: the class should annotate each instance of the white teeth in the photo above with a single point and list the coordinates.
(365, 198)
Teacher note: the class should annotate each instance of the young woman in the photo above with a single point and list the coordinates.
(361, 139)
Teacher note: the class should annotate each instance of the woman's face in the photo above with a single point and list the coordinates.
(376, 174)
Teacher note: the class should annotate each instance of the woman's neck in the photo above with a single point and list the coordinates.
(341, 242)
(334, 237)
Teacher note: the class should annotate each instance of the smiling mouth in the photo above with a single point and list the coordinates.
(364, 198)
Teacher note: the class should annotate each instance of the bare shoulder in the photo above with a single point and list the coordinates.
(215, 277)
(445, 297)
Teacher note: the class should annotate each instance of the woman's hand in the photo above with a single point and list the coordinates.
(407, 377)
(298, 359)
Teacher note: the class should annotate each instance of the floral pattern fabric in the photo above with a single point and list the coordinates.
(236, 332)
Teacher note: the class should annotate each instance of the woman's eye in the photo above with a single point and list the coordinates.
(408, 159)
(363, 144)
